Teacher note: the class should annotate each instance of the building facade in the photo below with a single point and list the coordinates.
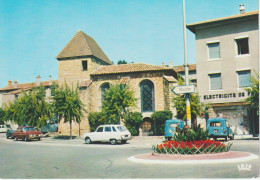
(227, 55)
(84, 63)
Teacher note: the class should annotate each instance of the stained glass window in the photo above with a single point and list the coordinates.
(104, 87)
(147, 96)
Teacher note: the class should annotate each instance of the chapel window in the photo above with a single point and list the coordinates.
(147, 96)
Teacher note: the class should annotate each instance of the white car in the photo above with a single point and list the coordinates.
(108, 133)
(3, 128)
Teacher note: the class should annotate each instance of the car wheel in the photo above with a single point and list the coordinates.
(113, 141)
(25, 138)
(87, 140)
(123, 141)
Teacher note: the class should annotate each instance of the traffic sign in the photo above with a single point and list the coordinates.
(184, 89)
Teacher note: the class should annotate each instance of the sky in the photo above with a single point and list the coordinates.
(33, 32)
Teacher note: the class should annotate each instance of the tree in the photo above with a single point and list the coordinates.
(95, 119)
(121, 62)
(179, 102)
(132, 121)
(67, 105)
(2, 115)
(30, 108)
(253, 90)
(159, 118)
(116, 103)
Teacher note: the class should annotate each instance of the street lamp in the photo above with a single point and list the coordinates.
(187, 95)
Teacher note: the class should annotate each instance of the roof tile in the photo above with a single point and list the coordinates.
(83, 45)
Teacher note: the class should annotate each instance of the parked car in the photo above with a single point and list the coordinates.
(50, 127)
(3, 129)
(108, 133)
(27, 133)
(219, 128)
(9, 133)
(170, 128)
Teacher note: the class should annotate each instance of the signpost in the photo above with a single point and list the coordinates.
(184, 89)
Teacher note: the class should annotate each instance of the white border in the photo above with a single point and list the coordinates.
(207, 161)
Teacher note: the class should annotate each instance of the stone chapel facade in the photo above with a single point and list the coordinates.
(83, 62)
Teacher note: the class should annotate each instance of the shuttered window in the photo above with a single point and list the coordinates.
(215, 81)
(214, 50)
(244, 78)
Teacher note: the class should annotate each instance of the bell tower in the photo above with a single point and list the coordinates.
(81, 56)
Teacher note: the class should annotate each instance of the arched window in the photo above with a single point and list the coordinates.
(104, 87)
(147, 96)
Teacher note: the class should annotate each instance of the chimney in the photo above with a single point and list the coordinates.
(242, 8)
(15, 84)
(9, 83)
(170, 64)
(50, 82)
(38, 80)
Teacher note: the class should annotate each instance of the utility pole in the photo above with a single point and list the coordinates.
(188, 111)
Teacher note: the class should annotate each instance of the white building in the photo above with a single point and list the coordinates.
(226, 57)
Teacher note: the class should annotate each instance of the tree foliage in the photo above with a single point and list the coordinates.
(122, 62)
(67, 105)
(96, 119)
(30, 108)
(117, 101)
(132, 121)
(159, 118)
(179, 102)
(253, 90)
(2, 115)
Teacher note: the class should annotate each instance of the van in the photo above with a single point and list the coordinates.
(170, 128)
(219, 128)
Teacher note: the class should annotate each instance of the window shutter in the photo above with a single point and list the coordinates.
(215, 81)
(244, 78)
(214, 51)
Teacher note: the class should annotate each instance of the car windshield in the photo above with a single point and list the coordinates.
(28, 129)
(121, 128)
(173, 125)
(215, 124)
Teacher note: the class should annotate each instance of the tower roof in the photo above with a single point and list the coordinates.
(82, 45)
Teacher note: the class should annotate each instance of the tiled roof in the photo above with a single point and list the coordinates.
(192, 67)
(170, 78)
(85, 83)
(83, 45)
(128, 68)
(25, 86)
(191, 27)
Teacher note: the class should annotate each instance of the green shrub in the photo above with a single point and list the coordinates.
(96, 119)
(192, 134)
(132, 121)
(159, 118)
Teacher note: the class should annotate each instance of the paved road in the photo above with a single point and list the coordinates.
(63, 159)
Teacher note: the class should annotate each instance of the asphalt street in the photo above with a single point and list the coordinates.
(75, 159)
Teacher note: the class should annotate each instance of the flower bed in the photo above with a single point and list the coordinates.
(191, 147)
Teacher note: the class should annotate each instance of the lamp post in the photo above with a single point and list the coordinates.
(188, 111)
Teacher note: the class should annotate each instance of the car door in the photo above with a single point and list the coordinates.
(108, 133)
(98, 134)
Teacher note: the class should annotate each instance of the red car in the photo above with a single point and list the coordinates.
(27, 133)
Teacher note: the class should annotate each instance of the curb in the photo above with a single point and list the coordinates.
(184, 162)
